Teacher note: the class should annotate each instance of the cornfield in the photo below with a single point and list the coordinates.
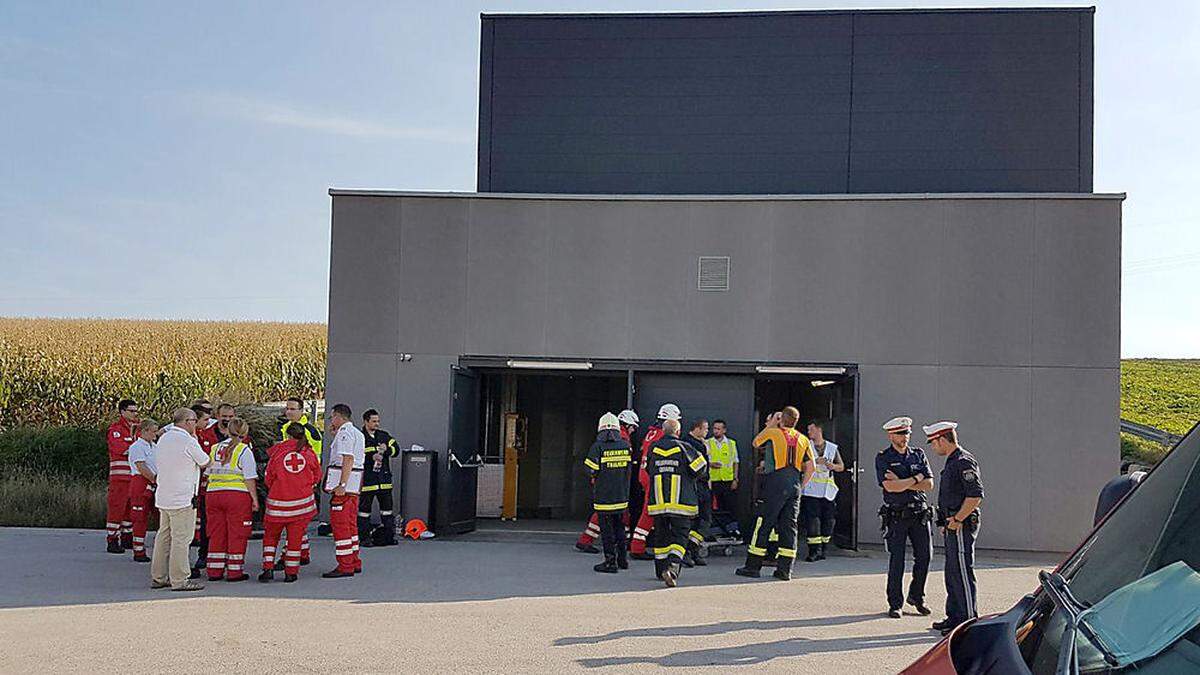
(73, 372)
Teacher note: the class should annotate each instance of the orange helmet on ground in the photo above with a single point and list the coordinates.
(414, 528)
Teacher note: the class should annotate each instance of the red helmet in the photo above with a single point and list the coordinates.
(414, 528)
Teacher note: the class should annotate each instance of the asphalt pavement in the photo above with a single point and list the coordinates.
(519, 600)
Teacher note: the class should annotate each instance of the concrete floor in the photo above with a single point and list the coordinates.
(520, 600)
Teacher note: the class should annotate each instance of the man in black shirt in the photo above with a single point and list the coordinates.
(608, 463)
(903, 473)
(959, 495)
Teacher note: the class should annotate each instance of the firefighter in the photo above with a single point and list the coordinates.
(959, 495)
(377, 481)
(903, 474)
(673, 467)
(121, 434)
(292, 473)
(608, 463)
(293, 414)
(348, 451)
(818, 505)
(696, 438)
(141, 485)
(645, 521)
(231, 499)
(629, 421)
(787, 467)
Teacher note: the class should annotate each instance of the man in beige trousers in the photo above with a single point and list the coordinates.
(180, 459)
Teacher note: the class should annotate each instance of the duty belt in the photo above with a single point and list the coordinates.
(972, 520)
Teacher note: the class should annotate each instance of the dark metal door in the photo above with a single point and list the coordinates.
(463, 455)
(845, 434)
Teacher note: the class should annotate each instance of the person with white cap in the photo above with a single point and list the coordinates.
(608, 463)
(645, 521)
(903, 473)
(628, 421)
(959, 495)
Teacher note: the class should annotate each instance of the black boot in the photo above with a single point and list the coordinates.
(622, 559)
(821, 552)
(783, 570)
(660, 566)
(114, 546)
(586, 548)
(752, 568)
(814, 553)
(671, 574)
(266, 576)
(609, 566)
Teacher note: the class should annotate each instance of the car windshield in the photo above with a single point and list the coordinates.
(1156, 527)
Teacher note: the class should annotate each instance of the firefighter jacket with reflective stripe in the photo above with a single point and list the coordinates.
(673, 467)
(608, 461)
(822, 484)
(313, 434)
(379, 444)
(292, 473)
(120, 437)
(722, 459)
(226, 471)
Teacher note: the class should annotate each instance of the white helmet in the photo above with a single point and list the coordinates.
(608, 421)
(669, 411)
(629, 418)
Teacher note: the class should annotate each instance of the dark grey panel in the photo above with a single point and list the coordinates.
(966, 102)
(820, 102)
(716, 104)
(729, 397)
(364, 275)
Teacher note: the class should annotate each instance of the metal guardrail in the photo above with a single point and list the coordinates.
(1149, 433)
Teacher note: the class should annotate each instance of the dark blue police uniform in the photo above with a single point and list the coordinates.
(960, 479)
(906, 517)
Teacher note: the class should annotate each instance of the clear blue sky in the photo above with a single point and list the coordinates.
(172, 159)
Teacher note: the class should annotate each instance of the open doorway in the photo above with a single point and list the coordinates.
(833, 400)
(552, 419)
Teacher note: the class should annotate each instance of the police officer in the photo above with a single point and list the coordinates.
(959, 496)
(903, 473)
(672, 467)
(608, 462)
(377, 482)
(787, 466)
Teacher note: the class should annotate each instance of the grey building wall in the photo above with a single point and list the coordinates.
(1001, 312)
(787, 102)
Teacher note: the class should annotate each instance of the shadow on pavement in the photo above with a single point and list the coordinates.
(45, 568)
(722, 628)
(762, 652)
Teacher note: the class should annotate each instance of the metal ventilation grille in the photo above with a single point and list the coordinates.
(714, 273)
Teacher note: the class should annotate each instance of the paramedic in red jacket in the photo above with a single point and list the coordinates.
(120, 436)
(292, 473)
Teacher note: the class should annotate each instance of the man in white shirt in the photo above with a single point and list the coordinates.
(818, 503)
(345, 482)
(179, 459)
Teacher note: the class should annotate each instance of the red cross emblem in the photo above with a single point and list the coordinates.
(293, 462)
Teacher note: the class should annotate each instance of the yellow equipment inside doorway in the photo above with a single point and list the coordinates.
(514, 447)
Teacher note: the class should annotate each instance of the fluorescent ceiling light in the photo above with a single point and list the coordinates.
(801, 370)
(552, 365)
(821, 383)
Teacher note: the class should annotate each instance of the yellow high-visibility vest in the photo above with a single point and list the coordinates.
(725, 454)
(227, 476)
